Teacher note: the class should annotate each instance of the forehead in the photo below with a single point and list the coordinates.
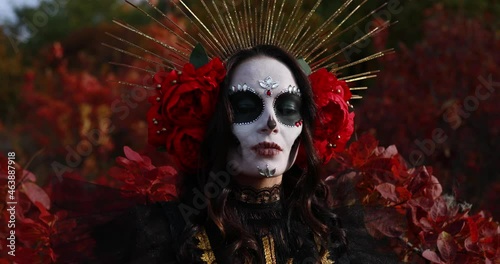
(257, 69)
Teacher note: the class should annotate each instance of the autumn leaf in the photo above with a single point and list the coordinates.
(447, 247)
(132, 155)
(432, 256)
(388, 191)
(384, 222)
(36, 194)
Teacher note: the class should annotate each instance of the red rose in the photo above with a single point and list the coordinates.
(156, 123)
(181, 109)
(334, 124)
(333, 117)
(324, 82)
(188, 99)
(211, 74)
(184, 144)
(324, 150)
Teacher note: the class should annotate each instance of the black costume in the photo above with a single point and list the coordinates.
(153, 233)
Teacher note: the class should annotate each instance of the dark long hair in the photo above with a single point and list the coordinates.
(307, 203)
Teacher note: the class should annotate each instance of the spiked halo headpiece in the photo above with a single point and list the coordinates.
(225, 27)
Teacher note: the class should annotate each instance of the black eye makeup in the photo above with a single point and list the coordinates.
(247, 106)
(288, 107)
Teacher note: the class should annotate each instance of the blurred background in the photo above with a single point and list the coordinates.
(436, 98)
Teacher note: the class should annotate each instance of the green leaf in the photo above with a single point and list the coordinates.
(199, 56)
(305, 67)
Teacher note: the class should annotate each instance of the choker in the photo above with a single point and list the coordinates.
(257, 196)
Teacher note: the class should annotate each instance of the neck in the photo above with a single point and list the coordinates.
(251, 195)
(258, 183)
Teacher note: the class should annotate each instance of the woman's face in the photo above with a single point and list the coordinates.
(266, 106)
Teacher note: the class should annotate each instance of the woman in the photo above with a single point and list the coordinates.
(269, 210)
(248, 201)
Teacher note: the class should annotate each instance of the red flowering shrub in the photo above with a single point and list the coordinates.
(141, 178)
(61, 109)
(44, 234)
(408, 206)
(422, 88)
(36, 229)
(444, 84)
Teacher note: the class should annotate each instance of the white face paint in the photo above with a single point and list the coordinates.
(267, 122)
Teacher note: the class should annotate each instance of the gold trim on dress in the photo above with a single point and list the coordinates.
(269, 251)
(325, 259)
(204, 244)
(208, 255)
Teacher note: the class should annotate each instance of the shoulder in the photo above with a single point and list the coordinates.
(143, 233)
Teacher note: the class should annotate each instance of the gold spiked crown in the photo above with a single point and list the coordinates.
(220, 29)
(225, 27)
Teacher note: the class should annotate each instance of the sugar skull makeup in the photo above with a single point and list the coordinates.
(266, 104)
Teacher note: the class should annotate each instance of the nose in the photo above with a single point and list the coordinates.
(271, 123)
(270, 126)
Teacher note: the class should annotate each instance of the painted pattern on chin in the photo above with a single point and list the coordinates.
(266, 105)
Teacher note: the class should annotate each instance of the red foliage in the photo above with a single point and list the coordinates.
(408, 205)
(141, 178)
(434, 102)
(34, 226)
(60, 106)
(44, 234)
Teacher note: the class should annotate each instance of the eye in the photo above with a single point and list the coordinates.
(247, 106)
(288, 107)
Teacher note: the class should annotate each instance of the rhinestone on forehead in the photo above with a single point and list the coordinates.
(268, 84)
(241, 88)
(293, 90)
